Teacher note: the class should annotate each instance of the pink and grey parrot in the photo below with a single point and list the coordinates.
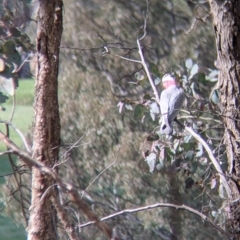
(171, 100)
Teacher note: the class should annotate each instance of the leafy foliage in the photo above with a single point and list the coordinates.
(110, 119)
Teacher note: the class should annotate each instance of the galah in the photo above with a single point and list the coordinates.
(171, 100)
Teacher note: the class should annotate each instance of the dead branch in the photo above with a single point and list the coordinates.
(213, 159)
(157, 205)
(68, 188)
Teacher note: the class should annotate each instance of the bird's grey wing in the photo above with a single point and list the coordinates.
(176, 101)
(164, 105)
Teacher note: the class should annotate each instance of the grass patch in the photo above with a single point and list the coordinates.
(10, 231)
(23, 113)
(22, 120)
(24, 92)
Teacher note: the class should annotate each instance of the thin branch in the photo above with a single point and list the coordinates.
(124, 58)
(68, 188)
(14, 100)
(213, 159)
(144, 63)
(157, 205)
(5, 153)
(105, 169)
(19, 68)
(71, 147)
(20, 134)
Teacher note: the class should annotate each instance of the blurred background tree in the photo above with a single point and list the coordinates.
(106, 146)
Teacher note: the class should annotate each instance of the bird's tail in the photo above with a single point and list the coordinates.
(166, 127)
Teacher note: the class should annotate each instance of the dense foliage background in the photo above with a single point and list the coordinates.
(104, 151)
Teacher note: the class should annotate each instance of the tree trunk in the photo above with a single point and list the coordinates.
(46, 130)
(226, 18)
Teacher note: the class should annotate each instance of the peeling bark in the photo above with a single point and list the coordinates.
(46, 129)
(226, 19)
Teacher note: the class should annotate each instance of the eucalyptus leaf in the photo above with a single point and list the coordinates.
(189, 63)
(157, 80)
(3, 98)
(213, 73)
(154, 108)
(139, 111)
(215, 97)
(194, 167)
(15, 32)
(199, 150)
(151, 160)
(128, 107)
(153, 68)
(193, 71)
(189, 155)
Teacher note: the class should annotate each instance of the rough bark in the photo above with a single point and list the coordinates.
(46, 129)
(226, 18)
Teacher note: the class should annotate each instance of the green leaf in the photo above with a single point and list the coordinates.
(139, 111)
(8, 47)
(189, 155)
(187, 146)
(154, 68)
(147, 97)
(201, 78)
(14, 32)
(194, 167)
(3, 98)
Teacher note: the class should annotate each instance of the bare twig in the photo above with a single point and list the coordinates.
(105, 169)
(157, 205)
(143, 62)
(19, 68)
(64, 186)
(20, 134)
(71, 147)
(124, 58)
(213, 159)
(5, 153)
